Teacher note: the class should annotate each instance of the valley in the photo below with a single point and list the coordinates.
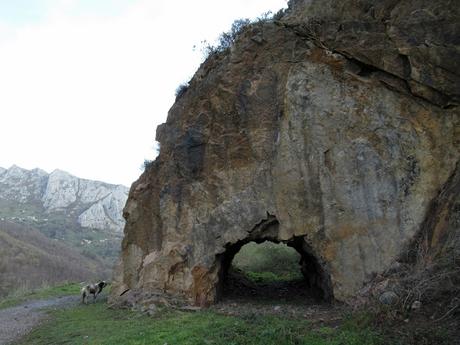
(56, 228)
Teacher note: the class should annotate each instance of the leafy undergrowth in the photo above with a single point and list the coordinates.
(96, 324)
(267, 272)
(268, 262)
(270, 277)
(43, 293)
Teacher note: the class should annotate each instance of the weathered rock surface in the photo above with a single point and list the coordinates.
(22, 185)
(106, 212)
(94, 204)
(279, 139)
(415, 42)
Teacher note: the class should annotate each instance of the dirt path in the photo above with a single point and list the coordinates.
(17, 321)
(291, 299)
(318, 314)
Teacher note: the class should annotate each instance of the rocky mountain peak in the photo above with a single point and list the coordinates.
(16, 172)
(39, 172)
(96, 204)
(61, 190)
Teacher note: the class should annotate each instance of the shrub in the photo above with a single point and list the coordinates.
(268, 262)
(264, 17)
(278, 15)
(181, 90)
(147, 163)
(226, 39)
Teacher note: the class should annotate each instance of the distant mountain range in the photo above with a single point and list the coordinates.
(93, 204)
(84, 214)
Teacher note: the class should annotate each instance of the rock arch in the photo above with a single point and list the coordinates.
(348, 165)
(312, 268)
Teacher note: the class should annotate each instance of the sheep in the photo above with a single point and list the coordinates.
(94, 289)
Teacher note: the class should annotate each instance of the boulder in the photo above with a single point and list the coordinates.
(388, 298)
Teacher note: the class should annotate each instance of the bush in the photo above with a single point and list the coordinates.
(147, 163)
(226, 39)
(278, 15)
(264, 17)
(181, 90)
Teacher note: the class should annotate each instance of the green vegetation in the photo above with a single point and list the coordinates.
(227, 39)
(59, 226)
(267, 277)
(268, 262)
(181, 89)
(21, 296)
(79, 326)
(30, 260)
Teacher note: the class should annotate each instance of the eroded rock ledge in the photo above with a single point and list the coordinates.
(281, 140)
(415, 42)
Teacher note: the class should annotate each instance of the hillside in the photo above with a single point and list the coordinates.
(28, 259)
(82, 213)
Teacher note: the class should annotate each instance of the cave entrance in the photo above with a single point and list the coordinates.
(264, 268)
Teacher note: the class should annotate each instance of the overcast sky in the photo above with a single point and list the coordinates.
(84, 83)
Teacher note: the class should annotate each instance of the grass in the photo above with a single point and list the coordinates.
(79, 326)
(28, 260)
(59, 226)
(43, 293)
(268, 262)
(270, 277)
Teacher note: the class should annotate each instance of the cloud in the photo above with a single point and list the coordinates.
(84, 92)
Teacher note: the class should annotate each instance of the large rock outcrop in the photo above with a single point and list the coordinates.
(415, 42)
(330, 130)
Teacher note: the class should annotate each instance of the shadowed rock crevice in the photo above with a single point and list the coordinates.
(313, 269)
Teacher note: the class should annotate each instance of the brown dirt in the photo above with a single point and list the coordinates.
(291, 299)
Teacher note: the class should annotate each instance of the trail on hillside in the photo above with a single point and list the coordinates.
(15, 322)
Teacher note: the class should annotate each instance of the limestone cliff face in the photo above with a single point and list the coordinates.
(300, 138)
(415, 43)
(92, 204)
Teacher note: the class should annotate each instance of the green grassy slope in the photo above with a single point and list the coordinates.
(268, 261)
(64, 227)
(28, 259)
(96, 324)
(43, 293)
